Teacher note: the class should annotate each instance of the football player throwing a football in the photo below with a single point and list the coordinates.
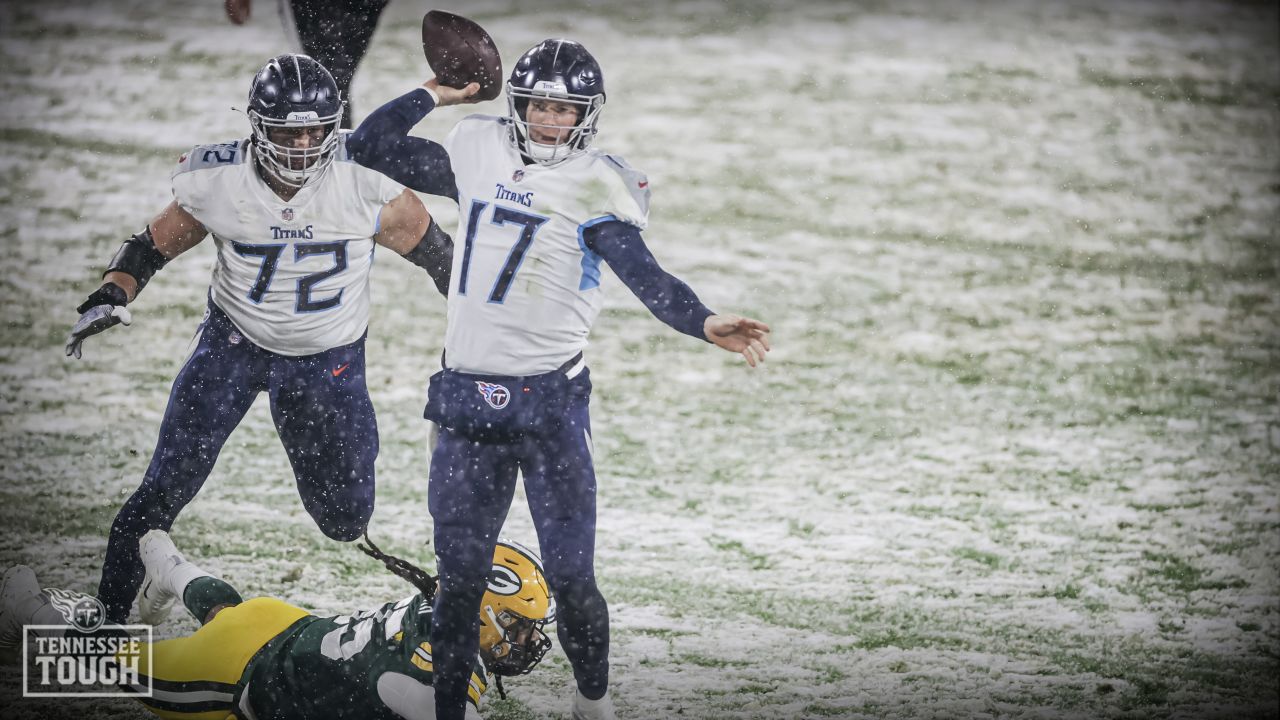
(265, 658)
(296, 224)
(540, 209)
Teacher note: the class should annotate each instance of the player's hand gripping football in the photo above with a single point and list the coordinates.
(104, 309)
(738, 334)
(451, 95)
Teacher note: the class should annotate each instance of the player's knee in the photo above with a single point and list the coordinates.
(344, 530)
(576, 592)
(346, 524)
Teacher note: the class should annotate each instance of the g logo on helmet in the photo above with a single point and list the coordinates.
(496, 395)
(503, 581)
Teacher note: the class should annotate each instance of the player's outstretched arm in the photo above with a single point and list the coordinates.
(406, 227)
(738, 334)
(168, 235)
(669, 298)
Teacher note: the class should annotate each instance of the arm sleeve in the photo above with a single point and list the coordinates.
(382, 143)
(666, 296)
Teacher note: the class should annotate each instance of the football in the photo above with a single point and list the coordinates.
(460, 52)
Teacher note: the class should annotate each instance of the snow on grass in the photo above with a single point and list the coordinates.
(1015, 454)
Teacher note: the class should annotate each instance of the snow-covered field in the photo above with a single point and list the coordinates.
(1016, 452)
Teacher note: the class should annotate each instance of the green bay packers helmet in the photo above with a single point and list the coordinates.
(517, 605)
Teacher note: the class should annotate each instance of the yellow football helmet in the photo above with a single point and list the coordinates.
(517, 605)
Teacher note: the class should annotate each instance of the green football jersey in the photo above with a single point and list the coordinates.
(373, 664)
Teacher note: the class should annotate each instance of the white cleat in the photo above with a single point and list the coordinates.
(17, 591)
(584, 709)
(160, 556)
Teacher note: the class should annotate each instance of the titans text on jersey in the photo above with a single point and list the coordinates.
(527, 287)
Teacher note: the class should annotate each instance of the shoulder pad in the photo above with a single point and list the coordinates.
(635, 181)
(341, 154)
(202, 157)
(480, 117)
(475, 126)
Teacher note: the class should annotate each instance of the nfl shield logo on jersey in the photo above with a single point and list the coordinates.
(517, 176)
(496, 395)
(287, 214)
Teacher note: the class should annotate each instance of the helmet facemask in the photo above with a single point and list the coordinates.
(521, 641)
(290, 165)
(579, 136)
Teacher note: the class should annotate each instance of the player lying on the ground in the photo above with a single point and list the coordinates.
(264, 658)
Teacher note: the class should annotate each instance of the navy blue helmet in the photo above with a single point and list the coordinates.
(294, 91)
(561, 71)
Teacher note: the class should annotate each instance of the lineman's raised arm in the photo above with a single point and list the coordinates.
(406, 227)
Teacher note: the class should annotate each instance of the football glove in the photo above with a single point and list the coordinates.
(102, 310)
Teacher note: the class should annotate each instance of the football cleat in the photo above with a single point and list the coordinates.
(17, 590)
(584, 709)
(160, 556)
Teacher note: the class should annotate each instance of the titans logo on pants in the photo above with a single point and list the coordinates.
(496, 395)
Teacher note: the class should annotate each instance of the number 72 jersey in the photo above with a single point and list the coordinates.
(525, 288)
(293, 276)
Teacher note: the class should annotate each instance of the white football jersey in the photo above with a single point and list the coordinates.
(525, 289)
(293, 276)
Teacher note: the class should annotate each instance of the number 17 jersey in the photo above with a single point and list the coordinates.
(525, 289)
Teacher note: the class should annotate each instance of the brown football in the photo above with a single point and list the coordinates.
(461, 52)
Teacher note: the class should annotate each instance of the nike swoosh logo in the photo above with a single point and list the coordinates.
(341, 369)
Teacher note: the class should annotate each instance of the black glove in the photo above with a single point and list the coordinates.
(109, 294)
(102, 310)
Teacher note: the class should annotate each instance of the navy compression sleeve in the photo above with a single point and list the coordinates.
(382, 143)
(666, 296)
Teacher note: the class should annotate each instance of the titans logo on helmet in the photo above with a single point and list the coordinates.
(496, 395)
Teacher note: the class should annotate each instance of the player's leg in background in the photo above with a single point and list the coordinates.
(560, 482)
(322, 411)
(210, 396)
(22, 602)
(336, 33)
(469, 493)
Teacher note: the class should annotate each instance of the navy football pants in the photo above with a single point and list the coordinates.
(470, 492)
(321, 409)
